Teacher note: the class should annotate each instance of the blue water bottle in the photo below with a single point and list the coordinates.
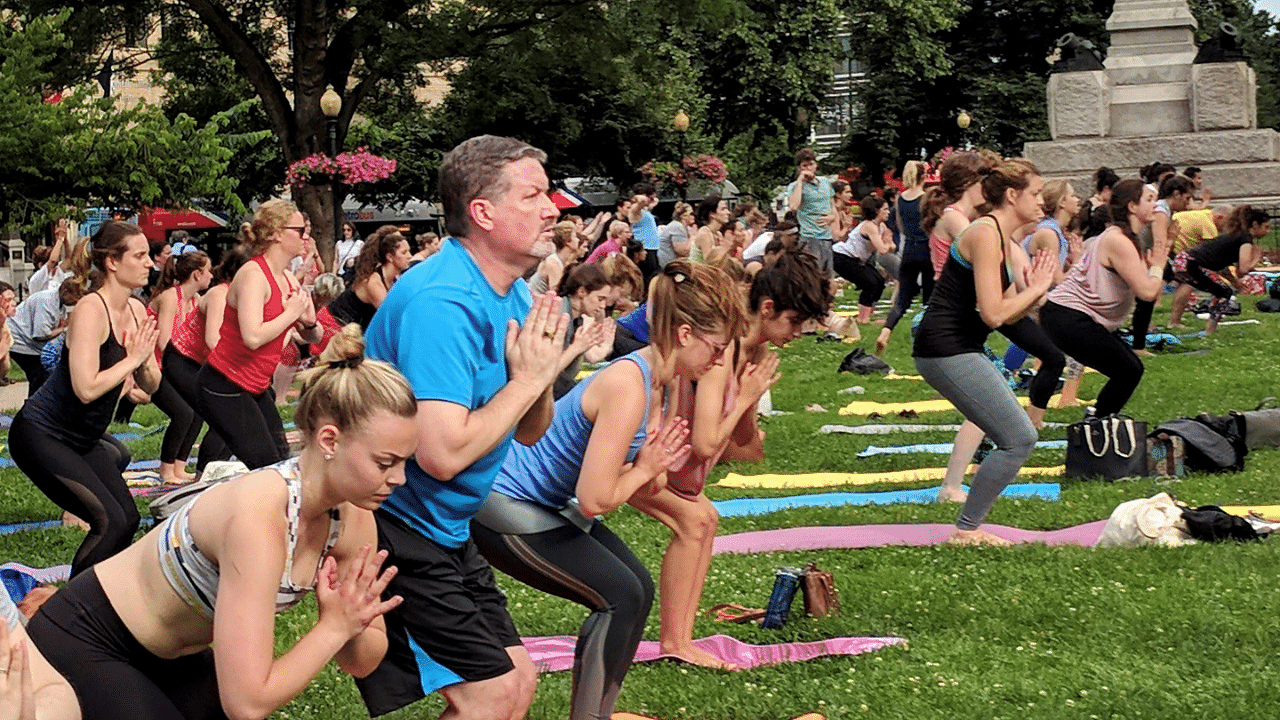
(785, 584)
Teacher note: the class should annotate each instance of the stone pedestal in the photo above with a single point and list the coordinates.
(1079, 104)
(1224, 96)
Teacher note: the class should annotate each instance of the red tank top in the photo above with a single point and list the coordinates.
(188, 336)
(250, 369)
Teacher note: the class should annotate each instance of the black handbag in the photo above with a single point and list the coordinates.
(1107, 447)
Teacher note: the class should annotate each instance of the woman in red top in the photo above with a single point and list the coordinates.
(175, 297)
(263, 302)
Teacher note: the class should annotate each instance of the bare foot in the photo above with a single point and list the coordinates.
(1144, 353)
(977, 537)
(951, 494)
(694, 655)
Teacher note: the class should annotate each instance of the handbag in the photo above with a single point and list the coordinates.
(1166, 455)
(1109, 447)
(819, 587)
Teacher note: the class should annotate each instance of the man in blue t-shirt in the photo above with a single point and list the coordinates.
(454, 327)
(810, 197)
(644, 227)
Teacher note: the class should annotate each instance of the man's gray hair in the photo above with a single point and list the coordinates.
(474, 169)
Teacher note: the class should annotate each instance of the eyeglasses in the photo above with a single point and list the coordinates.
(300, 229)
(717, 349)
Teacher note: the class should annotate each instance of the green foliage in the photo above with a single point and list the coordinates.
(86, 151)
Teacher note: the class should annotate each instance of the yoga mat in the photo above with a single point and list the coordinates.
(633, 716)
(5, 421)
(877, 429)
(810, 480)
(10, 528)
(145, 432)
(896, 376)
(866, 407)
(57, 573)
(1270, 513)
(760, 506)
(555, 653)
(943, 448)
(135, 465)
(865, 536)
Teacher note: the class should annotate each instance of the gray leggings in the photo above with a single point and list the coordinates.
(978, 391)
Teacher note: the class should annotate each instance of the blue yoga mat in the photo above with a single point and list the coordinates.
(760, 506)
(135, 465)
(943, 448)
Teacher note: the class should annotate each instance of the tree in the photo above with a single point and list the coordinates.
(83, 151)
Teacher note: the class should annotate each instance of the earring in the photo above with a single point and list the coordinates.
(328, 456)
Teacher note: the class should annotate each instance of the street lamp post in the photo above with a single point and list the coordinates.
(331, 106)
(963, 121)
(681, 123)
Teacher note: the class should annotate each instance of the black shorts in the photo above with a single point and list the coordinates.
(452, 627)
(113, 675)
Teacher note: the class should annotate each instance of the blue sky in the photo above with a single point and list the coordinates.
(1271, 6)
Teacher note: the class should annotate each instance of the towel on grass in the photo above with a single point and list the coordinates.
(843, 537)
(810, 480)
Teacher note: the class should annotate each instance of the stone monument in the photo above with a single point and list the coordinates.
(1156, 100)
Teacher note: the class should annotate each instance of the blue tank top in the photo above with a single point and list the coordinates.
(1063, 246)
(915, 242)
(547, 472)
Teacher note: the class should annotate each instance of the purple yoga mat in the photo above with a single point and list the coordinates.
(55, 574)
(864, 536)
(554, 654)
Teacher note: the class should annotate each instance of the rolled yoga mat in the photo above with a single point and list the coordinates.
(813, 480)
(843, 537)
(759, 506)
(1270, 513)
(555, 653)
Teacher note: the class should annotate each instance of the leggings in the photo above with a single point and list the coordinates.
(1194, 274)
(583, 561)
(1081, 337)
(250, 424)
(86, 483)
(1142, 310)
(113, 675)
(184, 424)
(915, 276)
(978, 391)
(180, 372)
(863, 276)
(1027, 333)
(34, 369)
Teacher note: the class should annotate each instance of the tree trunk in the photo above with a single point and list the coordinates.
(316, 202)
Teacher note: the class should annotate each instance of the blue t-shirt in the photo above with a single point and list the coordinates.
(645, 231)
(815, 201)
(547, 472)
(637, 321)
(444, 327)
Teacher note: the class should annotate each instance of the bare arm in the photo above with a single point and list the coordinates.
(1046, 240)
(871, 231)
(712, 429)
(248, 295)
(1120, 255)
(86, 333)
(362, 653)
(215, 306)
(166, 306)
(982, 244)
(534, 423)
(796, 197)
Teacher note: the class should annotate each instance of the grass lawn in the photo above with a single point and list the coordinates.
(1025, 632)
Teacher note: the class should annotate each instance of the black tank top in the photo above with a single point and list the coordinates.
(349, 308)
(57, 410)
(952, 324)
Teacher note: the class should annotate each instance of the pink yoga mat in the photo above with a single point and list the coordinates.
(553, 654)
(864, 536)
(55, 574)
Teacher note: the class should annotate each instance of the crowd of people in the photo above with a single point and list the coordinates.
(445, 429)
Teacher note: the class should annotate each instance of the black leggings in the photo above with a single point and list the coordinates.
(180, 372)
(915, 276)
(184, 424)
(1142, 310)
(33, 368)
(1028, 335)
(113, 675)
(250, 424)
(585, 563)
(88, 484)
(1081, 337)
(862, 275)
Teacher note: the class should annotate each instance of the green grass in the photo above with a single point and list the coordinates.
(1026, 632)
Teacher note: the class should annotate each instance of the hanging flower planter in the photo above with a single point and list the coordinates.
(350, 168)
(688, 173)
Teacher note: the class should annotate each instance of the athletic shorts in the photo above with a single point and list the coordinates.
(452, 627)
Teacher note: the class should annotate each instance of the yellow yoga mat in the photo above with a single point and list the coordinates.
(1270, 513)
(813, 480)
(866, 407)
(896, 376)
